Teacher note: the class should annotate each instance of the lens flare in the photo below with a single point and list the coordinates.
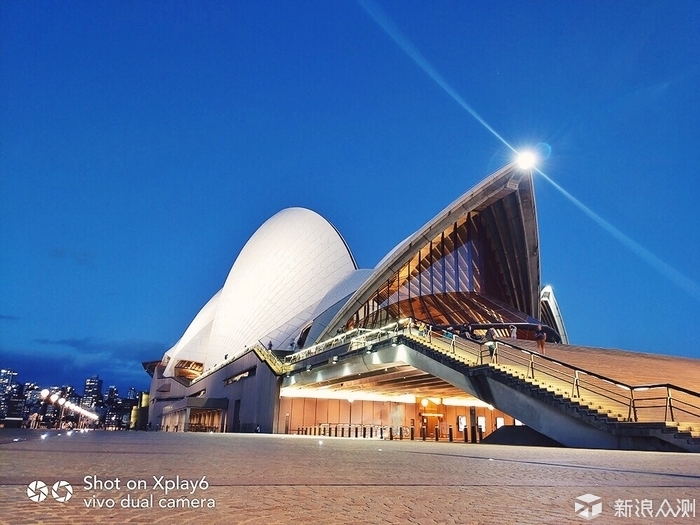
(526, 160)
(407, 47)
(652, 260)
(543, 151)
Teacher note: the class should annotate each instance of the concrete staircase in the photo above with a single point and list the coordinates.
(541, 380)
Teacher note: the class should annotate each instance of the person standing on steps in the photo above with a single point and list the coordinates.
(491, 342)
(513, 332)
(540, 337)
(468, 331)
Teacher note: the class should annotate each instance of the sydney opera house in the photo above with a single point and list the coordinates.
(301, 340)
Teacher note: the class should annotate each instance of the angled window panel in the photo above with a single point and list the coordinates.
(450, 272)
(464, 269)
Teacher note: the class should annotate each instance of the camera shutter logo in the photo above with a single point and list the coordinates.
(37, 491)
(588, 506)
(62, 491)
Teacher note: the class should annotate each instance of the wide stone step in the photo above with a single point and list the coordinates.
(557, 386)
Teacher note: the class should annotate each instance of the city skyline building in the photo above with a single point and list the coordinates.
(112, 392)
(25, 404)
(8, 381)
(32, 399)
(92, 392)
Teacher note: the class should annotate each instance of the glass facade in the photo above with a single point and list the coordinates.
(453, 279)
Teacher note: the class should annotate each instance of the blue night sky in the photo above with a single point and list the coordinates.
(143, 143)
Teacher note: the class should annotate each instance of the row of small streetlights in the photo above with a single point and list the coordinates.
(62, 402)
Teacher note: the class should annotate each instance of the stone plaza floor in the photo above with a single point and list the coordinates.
(98, 477)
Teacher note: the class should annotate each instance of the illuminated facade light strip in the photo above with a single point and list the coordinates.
(465, 402)
(348, 396)
(322, 393)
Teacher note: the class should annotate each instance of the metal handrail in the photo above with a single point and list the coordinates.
(356, 336)
(629, 400)
(567, 373)
(267, 356)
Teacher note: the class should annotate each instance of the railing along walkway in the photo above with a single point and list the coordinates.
(473, 353)
(641, 403)
(615, 400)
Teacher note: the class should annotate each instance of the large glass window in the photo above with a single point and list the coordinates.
(441, 283)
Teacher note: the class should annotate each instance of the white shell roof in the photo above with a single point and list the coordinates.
(193, 345)
(282, 273)
(547, 296)
(342, 289)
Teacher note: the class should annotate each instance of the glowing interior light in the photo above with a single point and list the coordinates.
(45, 393)
(526, 160)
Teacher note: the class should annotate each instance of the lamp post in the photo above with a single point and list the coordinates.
(350, 400)
(52, 399)
(62, 404)
(42, 412)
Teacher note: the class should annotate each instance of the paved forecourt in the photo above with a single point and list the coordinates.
(237, 478)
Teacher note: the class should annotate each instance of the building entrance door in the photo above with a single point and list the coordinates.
(236, 416)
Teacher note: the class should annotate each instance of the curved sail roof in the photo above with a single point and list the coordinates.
(193, 345)
(280, 276)
(551, 314)
(505, 202)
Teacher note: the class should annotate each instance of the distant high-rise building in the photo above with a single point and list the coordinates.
(92, 392)
(15, 408)
(67, 392)
(7, 377)
(112, 393)
(50, 411)
(8, 382)
(32, 399)
(74, 397)
(132, 393)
